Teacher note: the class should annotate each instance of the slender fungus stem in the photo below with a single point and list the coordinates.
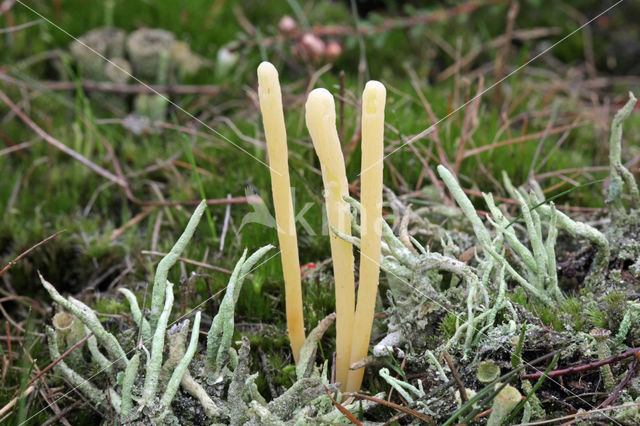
(321, 122)
(373, 102)
(276, 135)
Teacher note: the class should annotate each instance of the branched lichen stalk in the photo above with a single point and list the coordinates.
(181, 368)
(509, 233)
(579, 229)
(138, 318)
(85, 386)
(300, 393)
(619, 172)
(308, 350)
(237, 406)
(535, 239)
(130, 374)
(465, 205)
(221, 331)
(550, 247)
(89, 318)
(157, 347)
(196, 390)
(402, 387)
(160, 280)
(97, 356)
(483, 235)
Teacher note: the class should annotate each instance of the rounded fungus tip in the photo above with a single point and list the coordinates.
(373, 96)
(266, 66)
(320, 103)
(267, 73)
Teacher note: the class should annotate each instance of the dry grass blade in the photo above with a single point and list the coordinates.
(134, 220)
(63, 356)
(13, 401)
(342, 409)
(61, 414)
(519, 139)
(59, 145)
(407, 410)
(26, 252)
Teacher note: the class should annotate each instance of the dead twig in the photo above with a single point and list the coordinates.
(20, 27)
(572, 417)
(6, 5)
(442, 156)
(469, 123)
(15, 148)
(461, 387)
(501, 59)
(60, 415)
(13, 401)
(56, 143)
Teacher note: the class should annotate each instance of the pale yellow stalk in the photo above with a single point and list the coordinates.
(276, 135)
(373, 103)
(321, 122)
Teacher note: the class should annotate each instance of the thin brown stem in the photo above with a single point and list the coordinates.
(456, 376)
(63, 356)
(414, 413)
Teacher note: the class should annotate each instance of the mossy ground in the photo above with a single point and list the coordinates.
(551, 117)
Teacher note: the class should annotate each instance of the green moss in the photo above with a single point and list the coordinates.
(110, 305)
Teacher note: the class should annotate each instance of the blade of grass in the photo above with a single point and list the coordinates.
(542, 378)
(491, 391)
(192, 160)
(516, 357)
(26, 367)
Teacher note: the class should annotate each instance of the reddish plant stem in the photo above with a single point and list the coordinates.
(63, 356)
(631, 372)
(585, 367)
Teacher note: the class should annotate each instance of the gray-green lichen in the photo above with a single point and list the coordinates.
(145, 388)
(430, 294)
